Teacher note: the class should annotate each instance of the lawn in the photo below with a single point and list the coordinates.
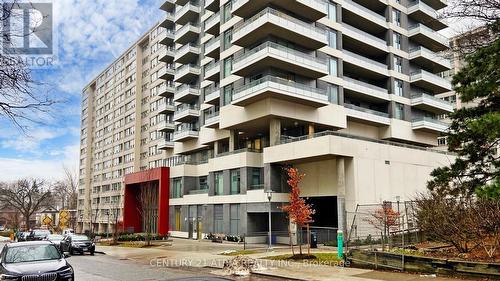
(317, 258)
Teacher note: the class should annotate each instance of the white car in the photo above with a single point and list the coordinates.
(4, 239)
(68, 231)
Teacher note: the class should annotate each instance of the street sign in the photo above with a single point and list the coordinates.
(47, 220)
(64, 218)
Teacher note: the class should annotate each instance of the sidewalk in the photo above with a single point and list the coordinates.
(192, 253)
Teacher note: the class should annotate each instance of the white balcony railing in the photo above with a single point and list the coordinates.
(366, 88)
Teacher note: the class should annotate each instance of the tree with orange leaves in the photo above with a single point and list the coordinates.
(298, 211)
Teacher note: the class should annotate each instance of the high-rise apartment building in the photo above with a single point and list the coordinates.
(341, 89)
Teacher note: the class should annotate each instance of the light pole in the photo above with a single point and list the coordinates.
(269, 197)
(107, 228)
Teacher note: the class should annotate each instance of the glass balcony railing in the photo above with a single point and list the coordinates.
(366, 110)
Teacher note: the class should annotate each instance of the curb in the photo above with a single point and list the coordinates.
(277, 276)
(99, 252)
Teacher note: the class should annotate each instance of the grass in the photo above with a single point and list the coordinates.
(129, 244)
(320, 258)
(240, 252)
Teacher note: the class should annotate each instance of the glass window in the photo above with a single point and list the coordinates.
(235, 181)
(228, 94)
(398, 88)
(218, 218)
(332, 38)
(228, 36)
(399, 112)
(256, 179)
(227, 11)
(332, 66)
(219, 183)
(396, 17)
(333, 94)
(177, 190)
(203, 183)
(234, 216)
(228, 67)
(398, 64)
(332, 11)
(397, 40)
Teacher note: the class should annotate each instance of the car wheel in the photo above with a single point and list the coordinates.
(91, 253)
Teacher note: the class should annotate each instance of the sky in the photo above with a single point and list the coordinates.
(91, 34)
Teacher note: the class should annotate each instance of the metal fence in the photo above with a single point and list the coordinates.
(325, 235)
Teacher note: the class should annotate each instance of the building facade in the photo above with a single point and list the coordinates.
(343, 90)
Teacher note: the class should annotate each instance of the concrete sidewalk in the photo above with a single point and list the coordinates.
(192, 253)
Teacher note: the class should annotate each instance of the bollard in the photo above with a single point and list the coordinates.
(340, 244)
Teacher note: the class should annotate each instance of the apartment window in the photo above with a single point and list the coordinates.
(177, 191)
(399, 111)
(234, 219)
(218, 218)
(332, 66)
(256, 179)
(227, 11)
(203, 183)
(235, 181)
(332, 38)
(218, 183)
(333, 94)
(228, 36)
(228, 94)
(398, 87)
(396, 17)
(442, 141)
(397, 40)
(332, 11)
(398, 64)
(228, 67)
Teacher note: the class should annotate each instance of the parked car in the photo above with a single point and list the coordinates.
(68, 231)
(34, 260)
(22, 236)
(38, 234)
(77, 244)
(55, 239)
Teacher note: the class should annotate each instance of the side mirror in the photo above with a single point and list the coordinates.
(65, 256)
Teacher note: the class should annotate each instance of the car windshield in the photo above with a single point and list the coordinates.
(41, 232)
(55, 237)
(31, 253)
(79, 238)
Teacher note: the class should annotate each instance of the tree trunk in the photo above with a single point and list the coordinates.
(290, 235)
(27, 221)
(300, 241)
(308, 240)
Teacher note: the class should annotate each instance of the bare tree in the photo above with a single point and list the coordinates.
(26, 196)
(66, 189)
(19, 98)
(148, 203)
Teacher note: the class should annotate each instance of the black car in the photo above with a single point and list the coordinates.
(34, 260)
(55, 239)
(77, 244)
(38, 234)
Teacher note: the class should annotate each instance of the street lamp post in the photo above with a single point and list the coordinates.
(269, 197)
(107, 228)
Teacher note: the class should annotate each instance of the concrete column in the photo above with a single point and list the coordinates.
(341, 188)
(310, 131)
(216, 148)
(274, 132)
(233, 139)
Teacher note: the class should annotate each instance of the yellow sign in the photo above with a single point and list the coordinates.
(46, 220)
(64, 217)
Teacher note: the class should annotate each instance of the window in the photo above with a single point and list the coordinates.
(227, 11)
(177, 190)
(228, 36)
(332, 11)
(332, 38)
(235, 181)
(332, 66)
(398, 88)
(396, 17)
(256, 179)
(234, 217)
(399, 111)
(203, 183)
(442, 141)
(228, 67)
(228, 94)
(218, 218)
(218, 183)
(397, 40)
(398, 64)
(333, 94)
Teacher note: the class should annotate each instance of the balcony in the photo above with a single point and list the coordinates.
(355, 63)
(428, 38)
(425, 14)
(313, 10)
(168, 20)
(366, 115)
(270, 22)
(168, 5)
(429, 125)
(186, 93)
(429, 60)
(185, 134)
(366, 41)
(188, 33)
(212, 24)
(212, 120)
(429, 81)
(187, 73)
(181, 2)
(430, 103)
(166, 126)
(166, 90)
(188, 13)
(354, 12)
(274, 87)
(167, 107)
(187, 54)
(212, 47)
(272, 55)
(212, 5)
(212, 71)
(166, 73)
(436, 4)
(212, 96)
(365, 90)
(167, 37)
(165, 144)
(166, 54)
(186, 114)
